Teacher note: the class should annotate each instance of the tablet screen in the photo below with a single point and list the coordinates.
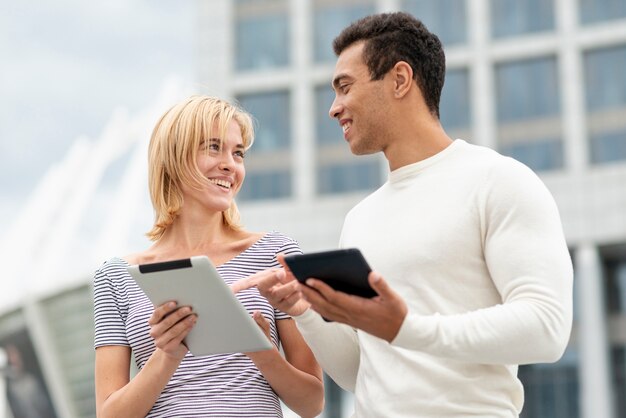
(344, 270)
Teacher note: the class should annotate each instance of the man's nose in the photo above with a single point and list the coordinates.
(335, 109)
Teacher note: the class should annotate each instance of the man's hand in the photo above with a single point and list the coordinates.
(381, 316)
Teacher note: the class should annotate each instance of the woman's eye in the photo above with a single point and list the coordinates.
(240, 154)
(214, 147)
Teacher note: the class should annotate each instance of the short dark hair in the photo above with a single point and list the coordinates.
(393, 37)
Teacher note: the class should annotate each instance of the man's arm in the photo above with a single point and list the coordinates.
(528, 260)
(529, 264)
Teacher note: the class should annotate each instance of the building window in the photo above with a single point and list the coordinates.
(268, 162)
(592, 11)
(260, 185)
(614, 272)
(618, 360)
(261, 34)
(344, 177)
(455, 103)
(528, 112)
(338, 171)
(445, 18)
(517, 17)
(327, 130)
(271, 113)
(551, 390)
(605, 88)
(330, 18)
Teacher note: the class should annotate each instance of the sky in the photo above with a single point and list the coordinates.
(66, 65)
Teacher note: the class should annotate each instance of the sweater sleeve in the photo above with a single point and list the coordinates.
(528, 261)
(335, 346)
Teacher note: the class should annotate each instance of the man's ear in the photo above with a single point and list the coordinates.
(403, 78)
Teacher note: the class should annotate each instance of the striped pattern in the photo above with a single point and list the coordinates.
(225, 385)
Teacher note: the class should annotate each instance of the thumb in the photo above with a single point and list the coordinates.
(380, 286)
(261, 321)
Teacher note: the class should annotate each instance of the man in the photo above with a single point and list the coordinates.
(477, 275)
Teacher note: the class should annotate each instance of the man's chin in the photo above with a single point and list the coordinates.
(357, 150)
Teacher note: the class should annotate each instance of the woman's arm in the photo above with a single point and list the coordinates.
(116, 394)
(296, 378)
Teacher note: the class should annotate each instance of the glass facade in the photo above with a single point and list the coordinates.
(268, 162)
(338, 171)
(271, 113)
(261, 35)
(343, 177)
(605, 88)
(614, 270)
(329, 18)
(327, 130)
(618, 358)
(528, 112)
(593, 11)
(271, 184)
(454, 107)
(518, 17)
(551, 390)
(446, 18)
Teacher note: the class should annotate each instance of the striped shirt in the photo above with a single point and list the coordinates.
(224, 385)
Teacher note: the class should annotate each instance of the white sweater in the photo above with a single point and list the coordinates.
(473, 242)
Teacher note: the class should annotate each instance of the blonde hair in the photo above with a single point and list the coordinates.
(173, 150)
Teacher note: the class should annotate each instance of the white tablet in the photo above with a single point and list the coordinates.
(224, 325)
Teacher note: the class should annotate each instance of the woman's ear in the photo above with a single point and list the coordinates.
(403, 79)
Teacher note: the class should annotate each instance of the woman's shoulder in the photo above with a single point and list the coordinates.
(112, 270)
(277, 238)
(278, 242)
(143, 257)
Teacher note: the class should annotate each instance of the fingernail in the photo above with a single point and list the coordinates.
(171, 305)
(309, 282)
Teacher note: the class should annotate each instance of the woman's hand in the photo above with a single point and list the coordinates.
(262, 323)
(264, 355)
(169, 325)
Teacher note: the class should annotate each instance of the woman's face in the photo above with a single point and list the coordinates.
(221, 162)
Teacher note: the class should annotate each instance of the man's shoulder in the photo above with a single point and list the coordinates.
(489, 161)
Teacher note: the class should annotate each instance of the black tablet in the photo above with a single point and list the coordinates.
(344, 270)
(224, 325)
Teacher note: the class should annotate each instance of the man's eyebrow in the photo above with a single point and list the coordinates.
(337, 80)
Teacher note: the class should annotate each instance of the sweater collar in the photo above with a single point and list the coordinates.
(410, 170)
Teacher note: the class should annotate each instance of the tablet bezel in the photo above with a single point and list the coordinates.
(223, 326)
(345, 270)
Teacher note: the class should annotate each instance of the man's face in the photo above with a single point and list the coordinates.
(359, 103)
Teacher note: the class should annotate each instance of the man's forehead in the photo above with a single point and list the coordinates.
(350, 62)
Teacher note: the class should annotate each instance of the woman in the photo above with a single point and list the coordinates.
(196, 167)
